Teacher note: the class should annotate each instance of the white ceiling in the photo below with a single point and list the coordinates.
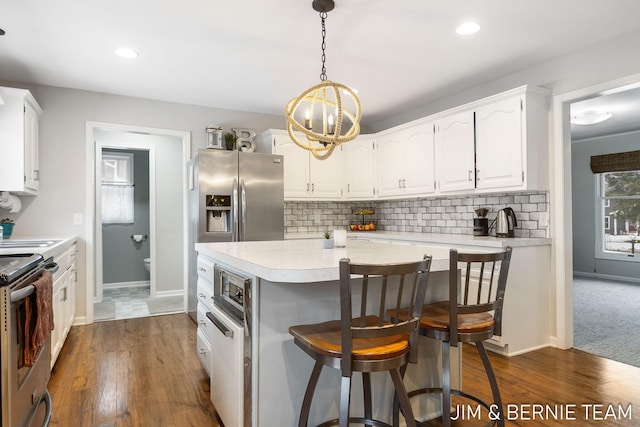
(625, 107)
(255, 55)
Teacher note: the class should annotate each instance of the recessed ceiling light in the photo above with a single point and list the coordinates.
(590, 117)
(467, 28)
(125, 52)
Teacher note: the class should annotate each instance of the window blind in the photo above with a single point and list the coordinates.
(618, 162)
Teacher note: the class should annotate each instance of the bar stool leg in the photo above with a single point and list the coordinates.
(308, 395)
(366, 390)
(401, 393)
(345, 397)
(396, 402)
(446, 385)
(492, 380)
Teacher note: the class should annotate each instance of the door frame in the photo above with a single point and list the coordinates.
(561, 209)
(94, 238)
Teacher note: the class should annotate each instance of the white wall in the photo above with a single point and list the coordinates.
(583, 202)
(603, 62)
(64, 180)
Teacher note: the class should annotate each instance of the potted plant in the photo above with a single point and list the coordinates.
(230, 140)
(7, 227)
(327, 242)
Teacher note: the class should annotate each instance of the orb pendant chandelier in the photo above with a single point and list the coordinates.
(327, 113)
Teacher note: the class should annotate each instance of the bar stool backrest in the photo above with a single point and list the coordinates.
(384, 286)
(483, 281)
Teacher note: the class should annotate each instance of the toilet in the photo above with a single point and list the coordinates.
(147, 264)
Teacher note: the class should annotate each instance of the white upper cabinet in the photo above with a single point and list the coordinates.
(360, 167)
(497, 144)
(406, 160)
(455, 156)
(306, 177)
(19, 141)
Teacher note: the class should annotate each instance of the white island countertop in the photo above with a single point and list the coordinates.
(305, 260)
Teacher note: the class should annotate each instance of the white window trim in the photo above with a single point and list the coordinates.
(600, 253)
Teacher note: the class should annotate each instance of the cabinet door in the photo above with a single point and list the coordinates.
(390, 165)
(359, 156)
(499, 141)
(326, 176)
(455, 163)
(419, 172)
(296, 168)
(31, 168)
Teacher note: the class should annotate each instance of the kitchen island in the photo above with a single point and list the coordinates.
(297, 282)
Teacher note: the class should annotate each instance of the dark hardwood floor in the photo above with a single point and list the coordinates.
(133, 372)
(145, 372)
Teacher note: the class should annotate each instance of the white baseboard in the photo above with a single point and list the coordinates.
(174, 293)
(607, 277)
(139, 284)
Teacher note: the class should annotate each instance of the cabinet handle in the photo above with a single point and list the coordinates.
(478, 174)
(404, 183)
(313, 186)
(202, 269)
(348, 188)
(201, 295)
(307, 186)
(399, 183)
(470, 173)
(221, 326)
(202, 351)
(36, 175)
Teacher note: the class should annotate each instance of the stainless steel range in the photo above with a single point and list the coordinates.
(24, 396)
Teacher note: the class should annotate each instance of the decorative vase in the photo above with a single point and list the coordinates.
(7, 229)
(327, 243)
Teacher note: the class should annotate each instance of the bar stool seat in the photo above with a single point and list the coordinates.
(363, 340)
(326, 339)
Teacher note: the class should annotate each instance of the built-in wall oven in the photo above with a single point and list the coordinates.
(231, 347)
(24, 396)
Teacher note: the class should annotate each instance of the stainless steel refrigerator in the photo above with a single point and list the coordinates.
(233, 196)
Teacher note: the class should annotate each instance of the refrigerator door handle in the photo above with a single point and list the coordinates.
(234, 211)
(243, 211)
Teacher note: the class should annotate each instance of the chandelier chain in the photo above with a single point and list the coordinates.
(323, 73)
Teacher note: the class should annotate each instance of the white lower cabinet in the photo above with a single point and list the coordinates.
(64, 299)
(227, 369)
(204, 293)
(203, 347)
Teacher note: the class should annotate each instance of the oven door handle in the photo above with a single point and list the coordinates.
(22, 293)
(220, 325)
(48, 407)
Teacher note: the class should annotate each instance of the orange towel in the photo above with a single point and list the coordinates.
(38, 319)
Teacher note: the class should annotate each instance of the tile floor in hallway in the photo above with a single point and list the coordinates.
(122, 303)
(132, 302)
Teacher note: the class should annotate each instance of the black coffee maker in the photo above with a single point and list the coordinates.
(481, 224)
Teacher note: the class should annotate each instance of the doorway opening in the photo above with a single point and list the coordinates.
(606, 209)
(138, 206)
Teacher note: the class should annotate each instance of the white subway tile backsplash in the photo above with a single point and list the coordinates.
(446, 215)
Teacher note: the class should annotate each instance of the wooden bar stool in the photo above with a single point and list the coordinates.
(363, 340)
(474, 312)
